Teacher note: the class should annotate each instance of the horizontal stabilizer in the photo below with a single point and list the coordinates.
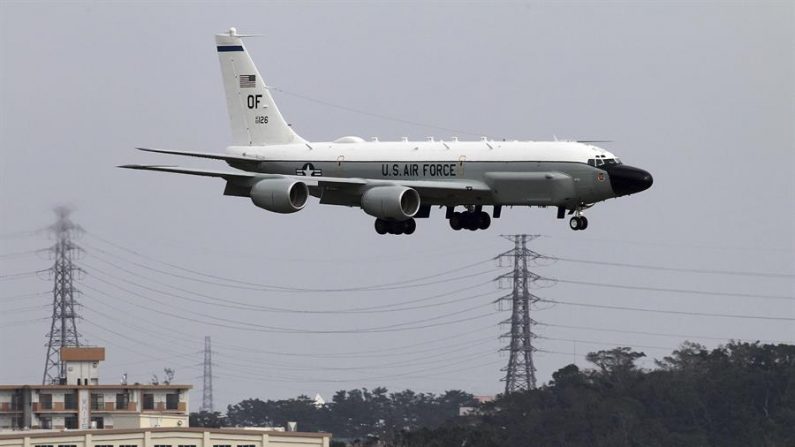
(209, 155)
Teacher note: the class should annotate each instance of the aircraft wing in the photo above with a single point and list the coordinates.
(193, 171)
(240, 177)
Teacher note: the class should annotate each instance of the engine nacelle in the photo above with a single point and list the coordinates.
(391, 202)
(280, 195)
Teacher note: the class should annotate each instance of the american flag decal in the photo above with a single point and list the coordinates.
(248, 81)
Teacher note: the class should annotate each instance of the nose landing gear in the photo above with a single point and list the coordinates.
(578, 223)
(395, 226)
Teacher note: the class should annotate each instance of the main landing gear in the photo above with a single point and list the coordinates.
(471, 220)
(395, 226)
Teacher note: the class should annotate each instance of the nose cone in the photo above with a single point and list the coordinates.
(627, 180)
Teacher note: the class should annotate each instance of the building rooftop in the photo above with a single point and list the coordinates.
(120, 431)
(107, 386)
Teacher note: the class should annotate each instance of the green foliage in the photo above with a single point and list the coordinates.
(354, 414)
(206, 419)
(740, 394)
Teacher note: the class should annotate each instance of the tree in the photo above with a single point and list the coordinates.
(206, 419)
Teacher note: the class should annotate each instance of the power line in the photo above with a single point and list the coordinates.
(673, 312)
(247, 326)
(216, 301)
(18, 254)
(670, 290)
(677, 269)
(660, 334)
(395, 285)
(370, 114)
(19, 275)
(23, 296)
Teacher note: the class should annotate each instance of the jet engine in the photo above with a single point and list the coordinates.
(391, 202)
(280, 195)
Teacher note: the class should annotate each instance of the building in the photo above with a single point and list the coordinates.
(165, 437)
(79, 401)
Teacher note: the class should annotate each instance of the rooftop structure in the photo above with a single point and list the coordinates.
(81, 402)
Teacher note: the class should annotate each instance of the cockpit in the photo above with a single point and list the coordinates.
(602, 160)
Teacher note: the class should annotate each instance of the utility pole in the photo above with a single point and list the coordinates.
(520, 373)
(207, 391)
(63, 330)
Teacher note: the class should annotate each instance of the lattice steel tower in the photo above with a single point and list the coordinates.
(520, 373)
(207, 391)
(63, 330)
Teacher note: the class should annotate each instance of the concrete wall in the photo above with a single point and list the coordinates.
(174, 438)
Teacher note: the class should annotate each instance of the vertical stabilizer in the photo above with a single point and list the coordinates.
(255, 119)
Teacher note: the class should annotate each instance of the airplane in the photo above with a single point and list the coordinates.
(397, 181)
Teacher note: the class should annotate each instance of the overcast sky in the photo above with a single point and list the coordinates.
(699, 94)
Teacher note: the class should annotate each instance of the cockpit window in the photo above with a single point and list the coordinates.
(597, 162)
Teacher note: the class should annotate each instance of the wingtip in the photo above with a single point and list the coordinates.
(142, 166)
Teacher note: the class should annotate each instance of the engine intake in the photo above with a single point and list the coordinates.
(391, 202)
(280, 195)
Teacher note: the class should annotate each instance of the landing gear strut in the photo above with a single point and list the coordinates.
(383, 226)
(470, 220)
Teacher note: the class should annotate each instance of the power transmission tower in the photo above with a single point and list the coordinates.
(63, 330)
(520, 373)
(207, 392)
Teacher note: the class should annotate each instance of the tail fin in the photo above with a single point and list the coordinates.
(253, 114)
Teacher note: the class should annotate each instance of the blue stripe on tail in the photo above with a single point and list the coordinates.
(222, 49)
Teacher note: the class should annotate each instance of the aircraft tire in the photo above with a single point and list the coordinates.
(583, 223)
(396, 227)
(484, 221)
(574, 223)
(456, 221)
(381, 226)
(409, 226)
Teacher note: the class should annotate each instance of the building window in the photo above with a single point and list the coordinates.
(16, 401)
(172, 401)
(45, 422)
(98, 402)
(221, 445)
(162, 445)
(246, 445)
(149, 401)
(103, 445)
(70, 422)
(70, 401)
(128, 445)
(187, 445)
(45, 401)
(97, 422)
(43, 445)
(122, 401)
(67, 445)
